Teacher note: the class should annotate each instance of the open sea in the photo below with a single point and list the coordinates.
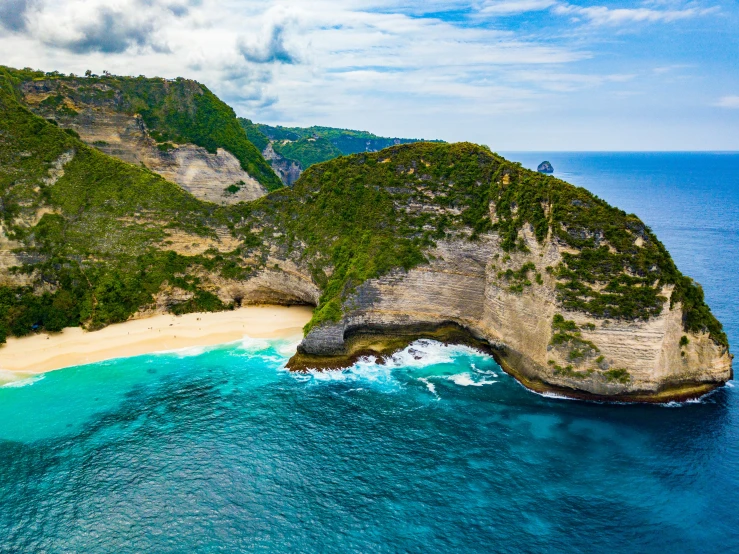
(222, 450)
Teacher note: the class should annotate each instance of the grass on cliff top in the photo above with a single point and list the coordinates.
(174, 111)
(254, 134)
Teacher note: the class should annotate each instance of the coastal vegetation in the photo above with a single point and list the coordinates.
(346, 141)
(88, 238)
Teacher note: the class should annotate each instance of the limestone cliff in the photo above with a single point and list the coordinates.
(288, 170)
(571, 294)
(106, 115)
(634, 360)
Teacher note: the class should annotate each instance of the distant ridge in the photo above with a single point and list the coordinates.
(292, 150)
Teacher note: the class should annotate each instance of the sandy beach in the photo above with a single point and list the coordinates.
(73, 346)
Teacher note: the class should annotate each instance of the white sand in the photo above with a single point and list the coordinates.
(73, 346)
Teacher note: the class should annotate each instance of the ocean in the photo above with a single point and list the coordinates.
(221, 450)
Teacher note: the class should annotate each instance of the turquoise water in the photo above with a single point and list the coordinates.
(221, 450)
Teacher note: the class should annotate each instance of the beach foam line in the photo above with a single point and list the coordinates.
(18, 383)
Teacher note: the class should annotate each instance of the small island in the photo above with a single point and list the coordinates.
(545, 167)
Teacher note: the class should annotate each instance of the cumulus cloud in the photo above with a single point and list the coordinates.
(268, 48)
(106, 26)
(13, 14)
(109, 32)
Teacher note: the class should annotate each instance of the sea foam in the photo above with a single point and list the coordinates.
(23, 382)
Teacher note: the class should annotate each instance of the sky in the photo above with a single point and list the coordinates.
(511, 74)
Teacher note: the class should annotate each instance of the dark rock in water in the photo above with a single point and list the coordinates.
(545, 167)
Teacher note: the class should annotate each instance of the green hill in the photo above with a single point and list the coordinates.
(307, 151)
(311, 145)
(346, 141)
(180, 111)
(88, 233)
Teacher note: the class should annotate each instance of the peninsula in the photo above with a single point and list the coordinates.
(126, 197)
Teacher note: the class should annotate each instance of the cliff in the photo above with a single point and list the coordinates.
(571, 294)
(176, 128)
(449, 241)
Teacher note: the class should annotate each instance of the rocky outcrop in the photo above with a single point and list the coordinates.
(545, 167)
(625, 360)
(288, 170)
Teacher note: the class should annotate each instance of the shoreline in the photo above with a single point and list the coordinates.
(384, 344)
(25, 357)
(44, 352)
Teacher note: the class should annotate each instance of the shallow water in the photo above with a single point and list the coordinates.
(221, 450)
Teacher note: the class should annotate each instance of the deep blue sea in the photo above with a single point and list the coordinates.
(222, 450)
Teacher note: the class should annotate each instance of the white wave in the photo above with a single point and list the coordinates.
(547, 394)
(430, 386)
(23, 382)
(364, 370)
(424, 353)
(249, 344)
(420, 354)
(186, 352)
(483, 371)
(674, 404)
(465, 380)
(286, 348)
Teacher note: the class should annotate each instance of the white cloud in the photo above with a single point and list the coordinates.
(392, 67)
(602, 15)
(510, 7)
(108, 26)
(728, 102)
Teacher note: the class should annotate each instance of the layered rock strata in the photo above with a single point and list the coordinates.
(626, 360)
(101, 124)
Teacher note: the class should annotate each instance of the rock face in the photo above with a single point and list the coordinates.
(100, 124)
(545, 167)
(635, 360)
(287, 170)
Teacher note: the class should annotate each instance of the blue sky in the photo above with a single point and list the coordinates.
(513, 74)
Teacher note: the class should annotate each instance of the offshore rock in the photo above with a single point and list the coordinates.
(545, 167)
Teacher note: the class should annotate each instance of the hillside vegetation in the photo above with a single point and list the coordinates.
(311, 145)
(179, 111)
(307, 151)
(87, 233)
